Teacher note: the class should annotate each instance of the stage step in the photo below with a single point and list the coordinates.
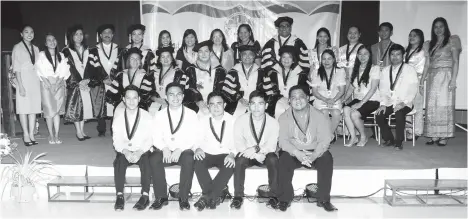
(426, 192)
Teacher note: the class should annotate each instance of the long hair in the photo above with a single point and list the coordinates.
(321, 71)
(447, 33)
(357, 65)
(421, 40)
(249, 29)
(224, 43)
(160, 37)
(47, 52)
(22, 29)
(71, 43)
(159, 64)
(323, 29)
(186, 33)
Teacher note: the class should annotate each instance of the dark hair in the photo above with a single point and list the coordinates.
(257, 93)
(447, 33)
(214, 94)
(71, 43)
(224, 43)
(133, 88)
(158, 62)
(357, 65)
(24, 27)
(321, 71)
(358, 29)
(47, 52)
(127, 61)
(174, 84)
(294, 59)
(323, 29)
(421, 41)
(396, 47)
(386, 24)
(249, 29)
(186, 33)
(160, 37)
(298, 87)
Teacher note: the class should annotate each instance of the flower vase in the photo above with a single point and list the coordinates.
(22, 194)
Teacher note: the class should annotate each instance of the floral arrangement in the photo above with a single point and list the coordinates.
(26, 171)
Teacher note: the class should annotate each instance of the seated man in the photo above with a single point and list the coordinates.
(132, 143)
(304, 139)
(398, 86)
(256, 138)
(174, 136)
(215, 150)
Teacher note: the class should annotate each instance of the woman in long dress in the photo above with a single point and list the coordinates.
(221, 53)
(347, 56)
(245, 37)
(416, 57)
(78, 107)
(364, 81)
(185, 55)
(328, 84)
(441, 72)
(52, 69)
(28, 91)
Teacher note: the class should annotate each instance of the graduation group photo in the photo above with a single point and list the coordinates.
(234, 109)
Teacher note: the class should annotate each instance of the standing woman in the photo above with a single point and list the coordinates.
(348, 54)
(164, 40)
(441, 71)
(245, 37)
(328, 84)
(78, 106)
(52, 69)
(416, 57)
(221, 54)
(185, 55)
(365, 79)
(28, 92)
(322, 43)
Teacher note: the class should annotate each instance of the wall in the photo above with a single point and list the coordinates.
(351, 14)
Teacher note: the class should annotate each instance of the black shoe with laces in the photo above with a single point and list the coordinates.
(283, 206)
(119, 203)
(201, 204)
(142, 203)
(159, 203)
(213, 203)
(327, 206)
(273, 202)
(184, 204)
(237, 202)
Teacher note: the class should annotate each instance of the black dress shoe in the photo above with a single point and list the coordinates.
(80, 139)
(184, 204)
(27, 143)
(327, 206)
(142, 203)
(159, 203)
(388, 143)
(273, 202)
(237, 202)
(86, 137)
(34, 142)
(119, 203)
(283, 206)
(212, 204)
(102, 134)
(399, 146)
(201, 204)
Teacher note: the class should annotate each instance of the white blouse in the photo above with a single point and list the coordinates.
(314, 59)
(248, 85)
(45, 69)
(166, 79)
(290, 82)
(361, 91)
(342, 62)
(417, 60)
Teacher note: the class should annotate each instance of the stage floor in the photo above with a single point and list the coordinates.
(98, 151)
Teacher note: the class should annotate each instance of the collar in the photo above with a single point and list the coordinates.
(238, 67)
(176, 111)
(292, 39)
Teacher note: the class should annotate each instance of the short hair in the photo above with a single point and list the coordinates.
(257, 93)
(214, 94)
(174, 84)
(132, 88)
(386, 24)
(298, 87)
(397, 47)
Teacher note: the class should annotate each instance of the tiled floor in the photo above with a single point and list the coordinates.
(356, 208)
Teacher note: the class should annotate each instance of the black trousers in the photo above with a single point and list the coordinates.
(287, 165)
(120, 169)
(101, 126)
(400, 120)
(158, 173)
(242, 163)
(212, 188)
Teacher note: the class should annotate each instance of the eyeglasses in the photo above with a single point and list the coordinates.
(215, 104)
(284, 26)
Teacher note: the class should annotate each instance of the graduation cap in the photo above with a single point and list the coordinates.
(283, 19)
(208, 43)
(168, 49)
(134, 50)
(247, 48)
(136, 27)
(72, 30)
(104, 27)
(288, 49)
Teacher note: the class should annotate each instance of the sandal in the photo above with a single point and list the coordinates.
(58, 140)
(51, 140)
(432, 141)
(363, 143)
(352, 143)
(442, 144)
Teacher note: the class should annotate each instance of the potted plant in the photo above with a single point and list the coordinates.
(26, 171)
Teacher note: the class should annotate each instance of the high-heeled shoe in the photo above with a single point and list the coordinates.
(86, 137)
(352, 143)
(80, 139)
(27, 143)
(362, 144)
